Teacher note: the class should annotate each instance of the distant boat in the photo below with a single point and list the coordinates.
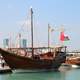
(34, 58)
(74, 61)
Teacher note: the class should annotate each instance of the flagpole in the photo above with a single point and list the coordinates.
(49, 30)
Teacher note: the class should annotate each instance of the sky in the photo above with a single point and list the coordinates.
(13, 14)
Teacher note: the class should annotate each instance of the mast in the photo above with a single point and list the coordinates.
(48, 36)
(32, 31)
(49, 31)
(19, 40)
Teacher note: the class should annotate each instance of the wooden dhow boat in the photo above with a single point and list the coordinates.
(34, 58)
(19, 58)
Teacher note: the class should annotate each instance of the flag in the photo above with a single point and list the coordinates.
(50, 29)
(66, 38)
(63, 37)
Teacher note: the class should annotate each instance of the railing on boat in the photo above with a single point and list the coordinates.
(37, 50)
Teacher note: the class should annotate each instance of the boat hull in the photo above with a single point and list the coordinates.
(20, 62)
(73, 62)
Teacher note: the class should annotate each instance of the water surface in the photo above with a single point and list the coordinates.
(73, 74)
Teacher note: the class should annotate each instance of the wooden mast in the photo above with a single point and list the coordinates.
(48, 36)
(32, 31)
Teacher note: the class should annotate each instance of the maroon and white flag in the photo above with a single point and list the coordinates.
(63, 37)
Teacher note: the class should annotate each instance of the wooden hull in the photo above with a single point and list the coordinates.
(20, 62)
(72, 61)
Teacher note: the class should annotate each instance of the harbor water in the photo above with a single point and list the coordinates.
(70, 74)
